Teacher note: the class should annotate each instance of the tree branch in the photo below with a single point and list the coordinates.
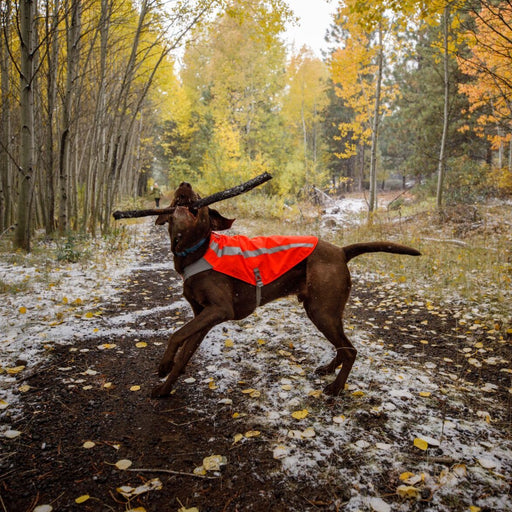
(214, 198)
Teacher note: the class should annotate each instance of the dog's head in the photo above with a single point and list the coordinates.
(189, 226)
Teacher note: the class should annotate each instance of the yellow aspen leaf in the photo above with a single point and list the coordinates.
(248, 391)
(123, 464)
(407, 491)
(3, 404)
(107, 385)
(338, 419)
(405, 475)
(14, 370)
(24, 388)
(474, 508)
(82, 499)
(420, 443)
(308, 433)
(236, 415)
(425, 394)
(237, 438)
(280, 452)
(199, 471)
(214, 462)
(315, 393)
(252, 433)
(89, 314)
(255, 394)
(424, 342)
(287, 387)
(193, 509)
(88, 445)
(135, 388)
(212, 385)
(229, 343)
(65, 300)
(22, 310)
(358, 393)
(300, 415)
(77, 301)
(141, 344)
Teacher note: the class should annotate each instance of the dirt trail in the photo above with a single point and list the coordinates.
(84, 392)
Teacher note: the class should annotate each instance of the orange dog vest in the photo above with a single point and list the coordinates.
(257, 261)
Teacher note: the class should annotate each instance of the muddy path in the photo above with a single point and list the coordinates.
(88, 408)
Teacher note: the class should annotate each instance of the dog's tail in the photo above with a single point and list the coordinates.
(351, 251)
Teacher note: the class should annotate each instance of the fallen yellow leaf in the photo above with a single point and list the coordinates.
(88, 445)
(407, 491)
(135, 388)
(214, 462)
(141, 344)
(237, 438)
(425, 394)
(300, 415)
(82, 499)
(22, 310)
(420, 443)
(14, 370)
(229, 343)
(123, 464)
(252, 433)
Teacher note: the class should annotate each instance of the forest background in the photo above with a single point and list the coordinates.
(100, 98)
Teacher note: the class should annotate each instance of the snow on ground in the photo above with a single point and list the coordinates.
(368, 438)
(344, 211)
(365, 441)
(58, 303)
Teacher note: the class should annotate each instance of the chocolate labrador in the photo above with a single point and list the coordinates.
(318, 276)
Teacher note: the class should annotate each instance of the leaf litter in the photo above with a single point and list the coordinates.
(415, 408)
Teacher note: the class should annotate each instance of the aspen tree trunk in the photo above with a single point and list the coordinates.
(27, 10)
(5, 128)
(375, 128)
(441, 170)
(52, 39)
(73, 36)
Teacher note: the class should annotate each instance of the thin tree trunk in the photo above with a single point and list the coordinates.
(5, 126)
(375, 128)
(73, 36)
(22, 236)
(441, 171)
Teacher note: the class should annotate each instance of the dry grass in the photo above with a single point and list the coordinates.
(466, 250)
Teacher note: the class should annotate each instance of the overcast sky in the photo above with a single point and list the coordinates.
(315, 18)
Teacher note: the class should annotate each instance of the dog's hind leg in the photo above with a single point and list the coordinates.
(324, 305)
(331, 327)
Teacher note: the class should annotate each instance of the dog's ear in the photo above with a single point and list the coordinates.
(218, 222)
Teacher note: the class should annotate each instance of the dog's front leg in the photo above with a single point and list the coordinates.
(180, 361)
(184, 342)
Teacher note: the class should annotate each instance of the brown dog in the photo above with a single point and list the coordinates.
(321, 282)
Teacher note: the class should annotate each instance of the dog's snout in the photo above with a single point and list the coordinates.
(185, 185)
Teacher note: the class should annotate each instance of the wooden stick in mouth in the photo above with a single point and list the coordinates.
(205, 201)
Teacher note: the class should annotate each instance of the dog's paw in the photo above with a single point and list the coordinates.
(164, 369)
(331, 390)
(324, 370)
(158, 392)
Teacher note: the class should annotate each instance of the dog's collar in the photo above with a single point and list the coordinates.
(192, 249)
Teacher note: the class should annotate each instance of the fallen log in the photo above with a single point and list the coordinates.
(205, 201)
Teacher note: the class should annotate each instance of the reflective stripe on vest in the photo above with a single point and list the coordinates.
(257, 261)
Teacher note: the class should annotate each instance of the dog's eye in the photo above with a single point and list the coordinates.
(177, 238)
